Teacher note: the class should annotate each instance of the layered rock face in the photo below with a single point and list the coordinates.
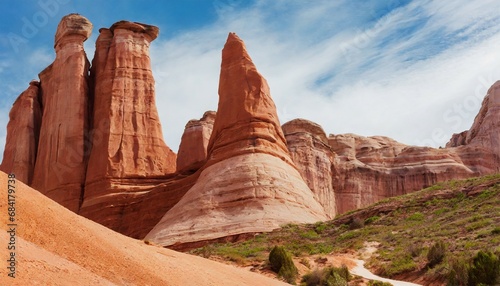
(192, 152)
(311, 153)
(249, 183)
(22, 135)
(128, 152)
(62, 148)
(479, 147)
(369, 169)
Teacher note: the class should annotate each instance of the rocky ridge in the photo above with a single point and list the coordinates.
(100, 152)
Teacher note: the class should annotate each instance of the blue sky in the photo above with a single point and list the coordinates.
(415, 71)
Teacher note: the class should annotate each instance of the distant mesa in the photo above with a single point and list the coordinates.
(100, 152)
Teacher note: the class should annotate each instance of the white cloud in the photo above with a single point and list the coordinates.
(369, 78)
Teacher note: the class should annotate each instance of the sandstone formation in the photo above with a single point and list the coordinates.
(58, 247)
(311, 153)
(369, 169)
(479, 147)
(22, 135)
(192, 152)
(62, 147)
(249, 183)
(93, 143)
(97, 134)
(128, 152)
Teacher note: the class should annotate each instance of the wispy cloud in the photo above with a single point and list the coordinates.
(344, 66)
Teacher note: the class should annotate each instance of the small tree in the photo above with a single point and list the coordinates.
(485, 269)
(436, 253)
(282, 263)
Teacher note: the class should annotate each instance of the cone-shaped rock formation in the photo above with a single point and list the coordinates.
(249, 183)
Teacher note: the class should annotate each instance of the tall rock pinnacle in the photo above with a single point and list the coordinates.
(249, 183)
(247, 121)
(62, 149)
(22, 135)
(127, 140)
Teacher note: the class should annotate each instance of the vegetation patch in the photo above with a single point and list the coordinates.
(281, 262)
(329, 276)
(436, 237)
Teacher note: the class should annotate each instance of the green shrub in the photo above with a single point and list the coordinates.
(436, 253)
(485, 269)
(416, 217)
(356, 223)
(459, 272)
(310, 234)
(400, 264)
(330, 276)
(372, 219)
(496, 230)
(282, 263)
(414, 250)
(320, 227)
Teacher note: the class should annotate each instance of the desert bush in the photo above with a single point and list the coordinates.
(414, 250)
(496, 230)
(372, 219)
(459, 272)
(330, 276)
(282, 263)
(418, 216)
(436, 253)
(320, 227)
(485, 269)
(356, 223)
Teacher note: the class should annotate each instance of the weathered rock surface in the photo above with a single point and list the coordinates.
(479, 147)
(369, 169)
(192, 152)
(128, 152)
(22, 135)
(62, 148)
(313, 156)
(249, 183)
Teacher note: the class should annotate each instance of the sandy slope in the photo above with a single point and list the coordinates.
(58, 247)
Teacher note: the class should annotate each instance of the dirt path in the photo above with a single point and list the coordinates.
(360, 270)
(369, 248)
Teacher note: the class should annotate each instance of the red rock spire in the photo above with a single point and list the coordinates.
(249, 183)
(62, 150)
(246, 121)
(127, 139)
